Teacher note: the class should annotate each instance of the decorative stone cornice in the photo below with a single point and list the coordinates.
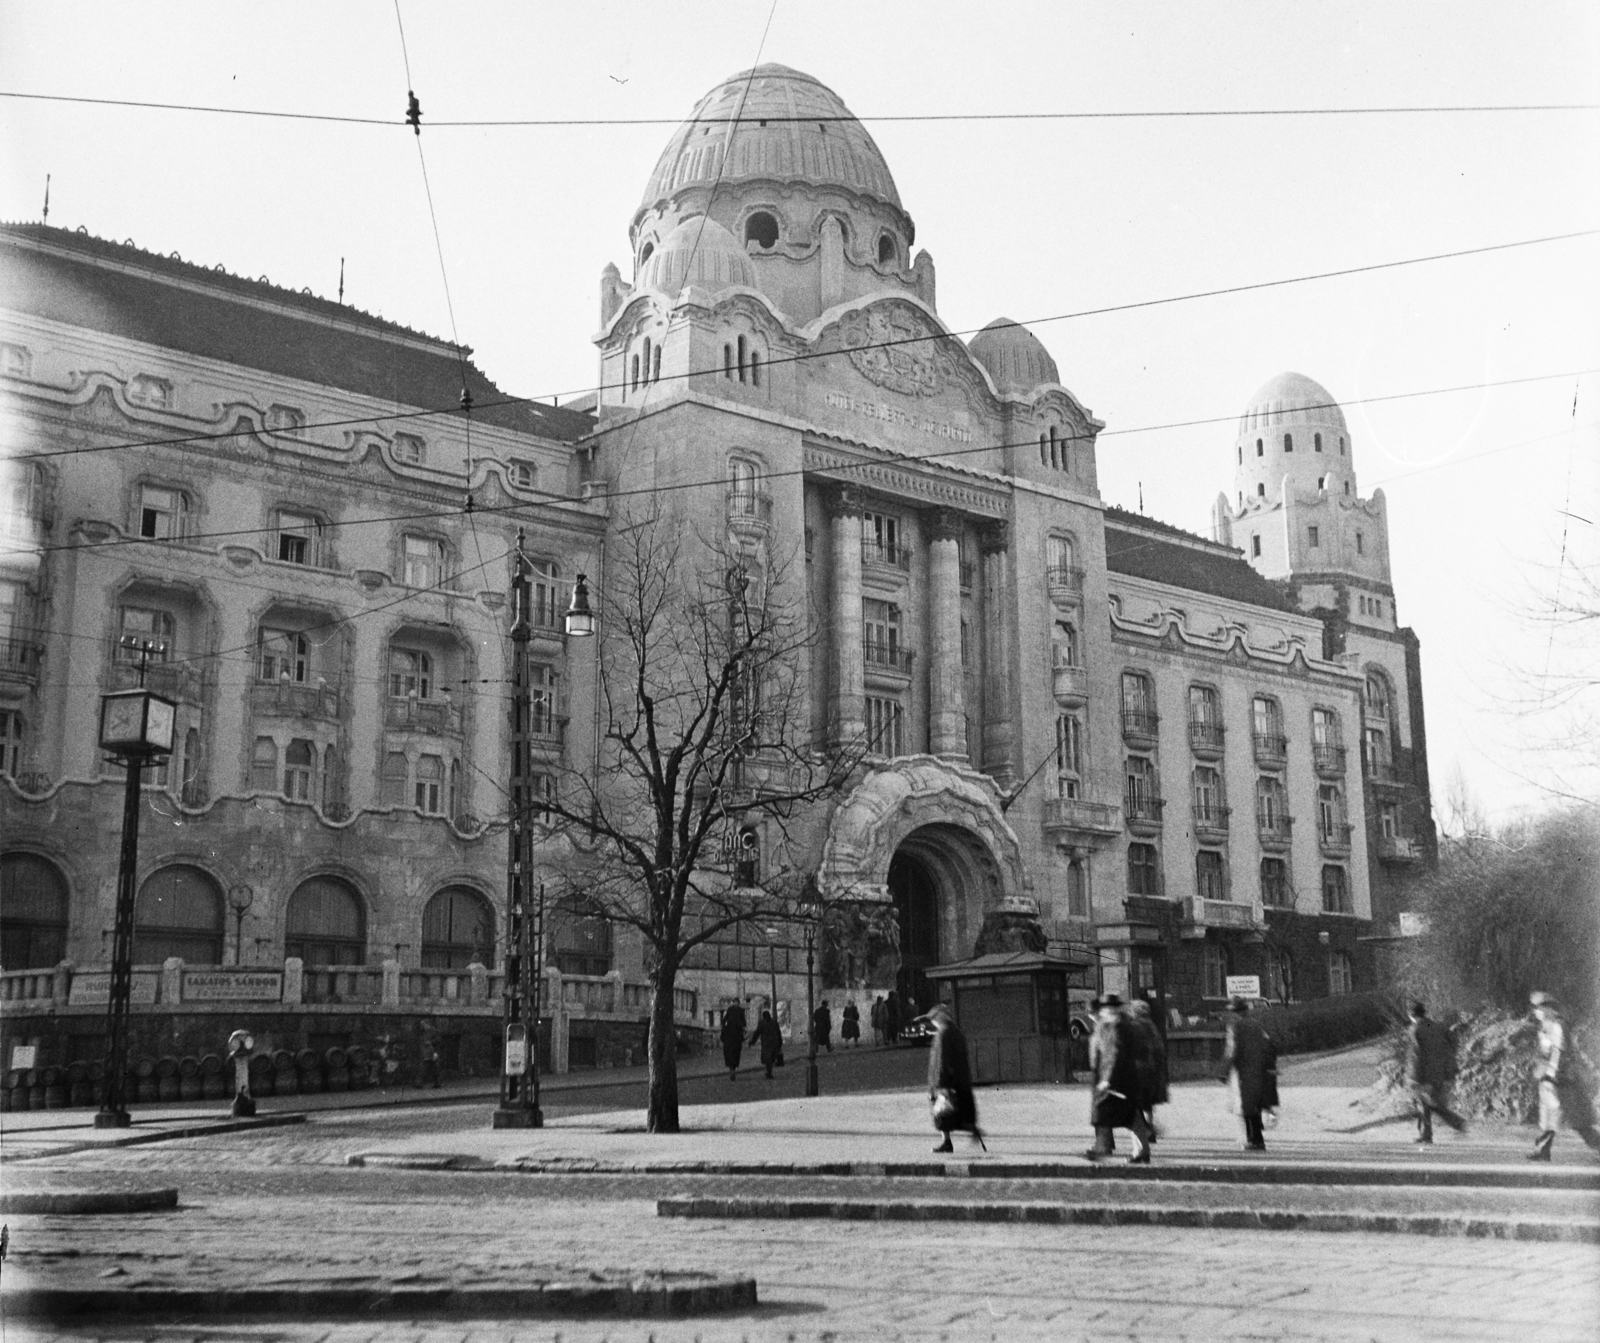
(923, 484)
(944, 524)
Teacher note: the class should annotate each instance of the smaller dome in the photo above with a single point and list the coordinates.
(699, 252)
(1014, 356)
(1292, 398)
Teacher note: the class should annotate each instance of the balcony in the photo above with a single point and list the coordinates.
(1073, 820)
(1382, 773)
(1211, 823)
(547, 725)
(1334, 837)
(1327, 758)
(1272, 748)
(290, 699)
(19, 660)
(1139, 726)
(1399, 849)
(1065, 582)
(1273, 829)
(1070, 685)
(1143, 812)
(1200, 914)
(176, 680)
(887, 555)
(887, 662)
(749, 510)
(1205, 739)
(411, 714)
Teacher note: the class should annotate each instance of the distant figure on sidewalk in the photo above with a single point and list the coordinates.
(1115, 1100)
(733, 1024)
(822, 1027)
(955, 1108)
(770, 1038)
(1150, 1062)
(1566, 1089)
(880, 1020)
(850, 1025)
(1250, 1061)
(1430, 1064)
(891, 1017)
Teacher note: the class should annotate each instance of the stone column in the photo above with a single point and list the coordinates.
(947, 723)
(847, 710)
(998, 619)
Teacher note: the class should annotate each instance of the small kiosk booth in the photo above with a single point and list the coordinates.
(1016, 1012)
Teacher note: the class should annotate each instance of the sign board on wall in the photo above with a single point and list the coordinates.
(94, 986)
(1244, 986)
(24, 1057)
(213, 986)
(1114, 979)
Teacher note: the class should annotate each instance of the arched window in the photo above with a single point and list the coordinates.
(457, 929)
(1341, 445)
(1288, 442)
(1261, 491)
(655, 365)
(410, 673)
(191, 768)
(1044, 451)
(264, 766)
(1260, 450)
(1316, 442)
(326, 924)
(392, 782)
(741, 363)
(727, 362)
(1077, 889)
(886, 250)
(33, 912)
(634, 381)
(299, 768)
(755, 368)
(1069, 755)
(1241, 454)
(1055, 449)
(580, 938)
(430, 784)
(179, 913)
(645, 253)
(647, 360)
(761, 229)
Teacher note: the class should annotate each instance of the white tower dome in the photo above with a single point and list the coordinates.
(1292, 431)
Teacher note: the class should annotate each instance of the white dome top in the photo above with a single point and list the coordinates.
(699, 252)
(1014, 356)
(1292, 398)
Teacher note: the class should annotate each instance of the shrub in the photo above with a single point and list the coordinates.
(1328, 1023)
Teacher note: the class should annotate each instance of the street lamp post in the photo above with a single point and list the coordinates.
(240, 898)
(811, 1010)
(136, 726)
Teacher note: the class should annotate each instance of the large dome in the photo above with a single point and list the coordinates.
(1014, 356)
(699, 252)
(792, 129)
(1291, 398)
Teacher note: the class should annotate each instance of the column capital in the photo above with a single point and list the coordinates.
(994, 538)
(944, 524)
(843, 501)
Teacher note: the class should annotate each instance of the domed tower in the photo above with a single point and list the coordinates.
(1292, 431)
(778, 161)
(1016, 359)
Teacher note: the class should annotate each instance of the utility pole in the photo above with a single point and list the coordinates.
(519, 1074)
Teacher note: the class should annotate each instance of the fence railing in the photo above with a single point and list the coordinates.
(421, 715)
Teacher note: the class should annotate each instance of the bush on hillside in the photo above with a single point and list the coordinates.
(1328, 1023)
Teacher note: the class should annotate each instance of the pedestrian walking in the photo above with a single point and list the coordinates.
(880, 1020)
(850, 1025)
(770, 1038)
(891, 1017)
(822, 1027)
(955, 1107)
(1114, 1100)
(1566, 1082)
(1430, 1064)
(1250, 1063)
(1150, 1062)
(733, 1024)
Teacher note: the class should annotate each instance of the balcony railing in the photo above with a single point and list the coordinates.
(547, 722)
(749, 508)
(291, 699)
(1202, 913)
(1334, 836)
(1328, 758)
(1381, 771)
(1273, 827)
(1140, 723)
(1271, 746)
(1399, 849)
(1205, 738)
(412, 714)
(1069, 684)
(887, 554)
(175, 680)
(1064, 578)
(1080, 816)
(1142, 810)
(19, 659)
(887, 657)
(1211, 817)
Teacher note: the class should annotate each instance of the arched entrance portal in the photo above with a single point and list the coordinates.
(941, 879)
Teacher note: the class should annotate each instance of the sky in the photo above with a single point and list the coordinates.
(1493, 492)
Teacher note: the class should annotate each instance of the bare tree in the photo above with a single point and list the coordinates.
(706, 734)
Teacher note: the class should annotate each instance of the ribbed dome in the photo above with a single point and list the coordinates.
(788, 131)
(1014, 357)
(1292, 398)
(699, 251)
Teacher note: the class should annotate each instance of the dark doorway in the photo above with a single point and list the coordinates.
(916, 906)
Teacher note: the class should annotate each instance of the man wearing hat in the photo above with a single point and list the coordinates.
(1565, 1093)
(1251, 1060)
(1430, 1064)
(1116, 1101)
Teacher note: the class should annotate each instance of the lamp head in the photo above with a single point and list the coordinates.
(580, 615)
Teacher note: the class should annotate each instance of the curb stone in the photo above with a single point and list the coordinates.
(1067, 1214)
(205, 1130)
(87, 1201)
(645, 1297)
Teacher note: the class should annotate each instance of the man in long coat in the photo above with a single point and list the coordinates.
(1251, 1059)
(770, 1038)
(1116, 1100)
(733, 1024)
(955, 1107)
(1430, 1064)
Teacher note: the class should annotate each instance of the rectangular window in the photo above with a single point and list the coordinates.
(283, 655)
(10, 743)
(1208, 875)
(144, 624)
(549, 608)
(1267, 716)
(1375, 747)
(1064, 647)
(162, 513)
(524, 475)
(1138, 704)
(880, 633)
(1077, 890)
(429, 784)
(1069, 755)
(299, 767)
(885, 726)
(1214, 968)
(410, 673)
(1324, 727)
(1330, 812)
(1274, 883)
(264, 766)
(883, 539)
(1311, 537)
(1255, 547)
(1340, 979)
(1141, 797)
(392, 782)
(1208, 797)
(424, 562)
(542, 790)
(1144, 870)
(297, 538)
(1389, 821)
(1335, 891)
(543, 715)
(1360, 545)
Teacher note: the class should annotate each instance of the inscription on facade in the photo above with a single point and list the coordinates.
(95, 987)
(259, 986)
(878, 410)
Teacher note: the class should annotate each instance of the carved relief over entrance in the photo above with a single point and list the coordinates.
(893, 352)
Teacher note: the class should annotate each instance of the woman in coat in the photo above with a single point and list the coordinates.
(850, 1024)
(955, 1108)
(1565, 1094)
(1150, 1062)
(1251, 1059)
(1116, 1100)
(770, 1038)
(733, 1024)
